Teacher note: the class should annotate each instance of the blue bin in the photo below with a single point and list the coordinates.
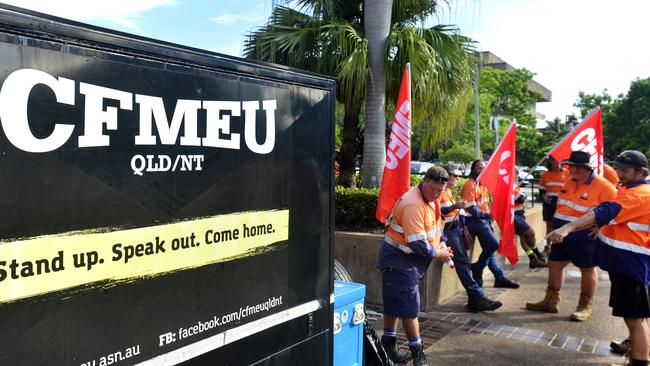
(349, 314)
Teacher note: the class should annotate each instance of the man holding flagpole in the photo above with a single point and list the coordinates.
(623, 248)
(580, 194)
(582, 151)
(498, 177)
(453, 212)
(479, 221)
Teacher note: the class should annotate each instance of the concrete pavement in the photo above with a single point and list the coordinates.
(513, 335)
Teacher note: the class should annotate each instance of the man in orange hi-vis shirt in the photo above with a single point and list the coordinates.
(479, 221)
(581, 194)
(623, 248)
(452, 210)
(414, 237)
(550, 183)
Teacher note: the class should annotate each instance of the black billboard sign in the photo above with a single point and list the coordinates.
(161, 204)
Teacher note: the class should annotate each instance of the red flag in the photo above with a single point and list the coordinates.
(587, 136)
(499, 178)
(397, 169)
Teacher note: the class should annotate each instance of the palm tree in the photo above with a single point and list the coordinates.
(327, 36)
(377, 14)
(555, 129)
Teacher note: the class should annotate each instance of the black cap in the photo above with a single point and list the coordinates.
(436, 174)
(578, 158)
(631, 158)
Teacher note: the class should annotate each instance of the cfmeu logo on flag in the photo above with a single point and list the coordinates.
(587, 137)
(397, 170)
(504, 166)
(400, 136)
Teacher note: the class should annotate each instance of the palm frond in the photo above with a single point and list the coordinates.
(410, 12)
(441, 69)
(289, 38)
(346, 57)
(332, 9)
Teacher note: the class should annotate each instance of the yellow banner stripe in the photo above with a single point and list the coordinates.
(39, 265)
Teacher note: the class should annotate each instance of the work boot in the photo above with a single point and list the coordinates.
(482, 304)
(550, 304)
(505, 283)
(536, 262)
(620, 347)
(584, 309)
(477, 274)
(419, 358)
(396, 354)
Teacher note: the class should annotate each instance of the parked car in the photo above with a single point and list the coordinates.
(523, 177)
(537, 173)
(420, 167)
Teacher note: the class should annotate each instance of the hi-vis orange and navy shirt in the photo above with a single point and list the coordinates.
(551, 182)
(575, 201)
(446, 202)
(519, 199)
(477, 199)
(453, 216)
(414, 231)
(623, 244)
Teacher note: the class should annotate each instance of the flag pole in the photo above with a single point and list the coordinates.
(408, 67)
(537, 164)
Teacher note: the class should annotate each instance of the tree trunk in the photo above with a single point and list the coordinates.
(349, 145)
(377, 15)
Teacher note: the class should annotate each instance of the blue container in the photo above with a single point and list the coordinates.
(349, 314)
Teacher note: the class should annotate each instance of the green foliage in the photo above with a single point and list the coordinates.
(355, 209)
(554, 131)
(328, 37)
(626, 118)
(588, 102)
(528, 145)
(511, 96)
(502, 93)
(457, 152)
(627, 127)
(441, 69)
(416, 179)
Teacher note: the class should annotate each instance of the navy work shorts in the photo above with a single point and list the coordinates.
(521, 226)
(401, 297)
(628, 298)
(548, 209)
(582, 255)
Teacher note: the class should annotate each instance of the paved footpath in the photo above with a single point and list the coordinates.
(515, 336)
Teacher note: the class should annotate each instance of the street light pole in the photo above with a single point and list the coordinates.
(476, 115)
(495, 127)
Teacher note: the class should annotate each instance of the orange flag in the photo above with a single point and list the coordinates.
(499, 178)
(587, 136)
(397, 169)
